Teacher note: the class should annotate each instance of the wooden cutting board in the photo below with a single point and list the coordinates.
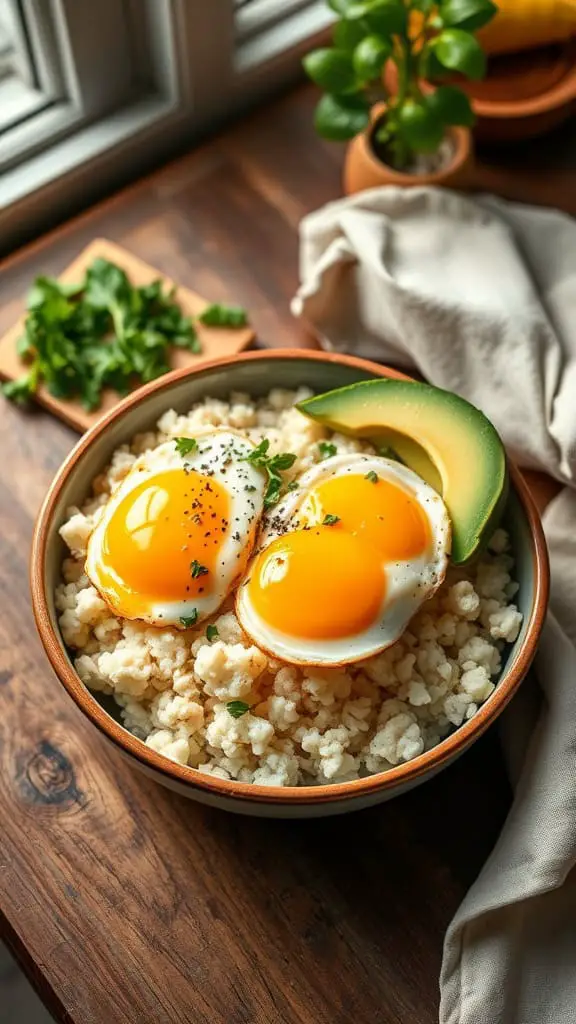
(215, 341)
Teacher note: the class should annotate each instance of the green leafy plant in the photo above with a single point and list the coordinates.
(428, 42)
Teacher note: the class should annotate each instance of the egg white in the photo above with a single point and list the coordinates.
(219, 454)
(408, 583)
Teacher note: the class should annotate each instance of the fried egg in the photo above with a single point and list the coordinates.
(345, 561)
(176, 535)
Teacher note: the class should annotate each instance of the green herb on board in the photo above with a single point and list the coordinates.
(221, 315)
(103, 332)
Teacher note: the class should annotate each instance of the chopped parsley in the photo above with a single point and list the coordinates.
(292, 486)
(237, 708)
(212, 632)
(221, 315)
(185, 445)
(100, 332)
(330, 520)
(273, 466)
(197, 570)
(189, 620)
(327, 449)
(390, 453)
(372, 477)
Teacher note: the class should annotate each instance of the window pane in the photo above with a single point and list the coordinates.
(19, 95)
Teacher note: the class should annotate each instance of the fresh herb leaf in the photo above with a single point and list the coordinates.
(390, 453)
(237, 708)
(327, 449)
(189, 620)
(21, 390)
(221, 315)
(272, 492)
(259, 456)
(292, 486)
(330, 520)
(273, 465)
(25, 348)
(197, 570)
(372, 476)
(280, 462)
(185, 445)
(211, 633)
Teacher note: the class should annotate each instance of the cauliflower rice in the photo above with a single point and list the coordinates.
(309, 726)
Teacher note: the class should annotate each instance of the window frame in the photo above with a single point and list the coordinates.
(180, 89)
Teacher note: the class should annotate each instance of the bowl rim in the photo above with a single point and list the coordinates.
(210, 785)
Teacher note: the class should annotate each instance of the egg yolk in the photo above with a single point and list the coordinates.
(319, 583)
(327, 579)
(378, 511)
(163, 541)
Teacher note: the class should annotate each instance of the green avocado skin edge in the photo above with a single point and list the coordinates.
(364, 408)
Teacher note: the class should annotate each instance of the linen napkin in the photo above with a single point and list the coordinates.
(479, 295)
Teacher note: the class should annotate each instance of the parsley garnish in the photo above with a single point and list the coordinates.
(273, 466)
(330, 520)
(101, 332)
(197, 570)
(185, 445)
(390, 453)
(221, 315)
(189, 620)
(211, 633)
(293, 485)
(327, 449)
(237, 708)
(372, 476)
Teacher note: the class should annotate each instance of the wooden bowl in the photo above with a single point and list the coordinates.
(256, 373)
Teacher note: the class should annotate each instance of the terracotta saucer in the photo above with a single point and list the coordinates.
(525, 94)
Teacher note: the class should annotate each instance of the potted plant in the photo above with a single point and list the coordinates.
(389, 86)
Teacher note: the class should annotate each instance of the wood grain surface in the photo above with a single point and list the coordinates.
(125, 903)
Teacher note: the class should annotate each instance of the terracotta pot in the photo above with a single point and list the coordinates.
(363, 168)
(525, 94)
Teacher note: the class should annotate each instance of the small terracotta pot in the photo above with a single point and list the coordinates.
(363, 168)
(525, 94)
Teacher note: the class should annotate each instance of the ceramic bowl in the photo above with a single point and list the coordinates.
(256, 373)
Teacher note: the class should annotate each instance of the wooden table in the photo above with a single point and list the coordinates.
(124, 903)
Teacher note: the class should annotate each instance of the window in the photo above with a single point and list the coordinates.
(20, 93)
(267, 28)
(89, 90)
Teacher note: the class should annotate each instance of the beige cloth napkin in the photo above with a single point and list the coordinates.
(480, 296)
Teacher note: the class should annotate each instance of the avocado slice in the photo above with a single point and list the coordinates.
(441, 436)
